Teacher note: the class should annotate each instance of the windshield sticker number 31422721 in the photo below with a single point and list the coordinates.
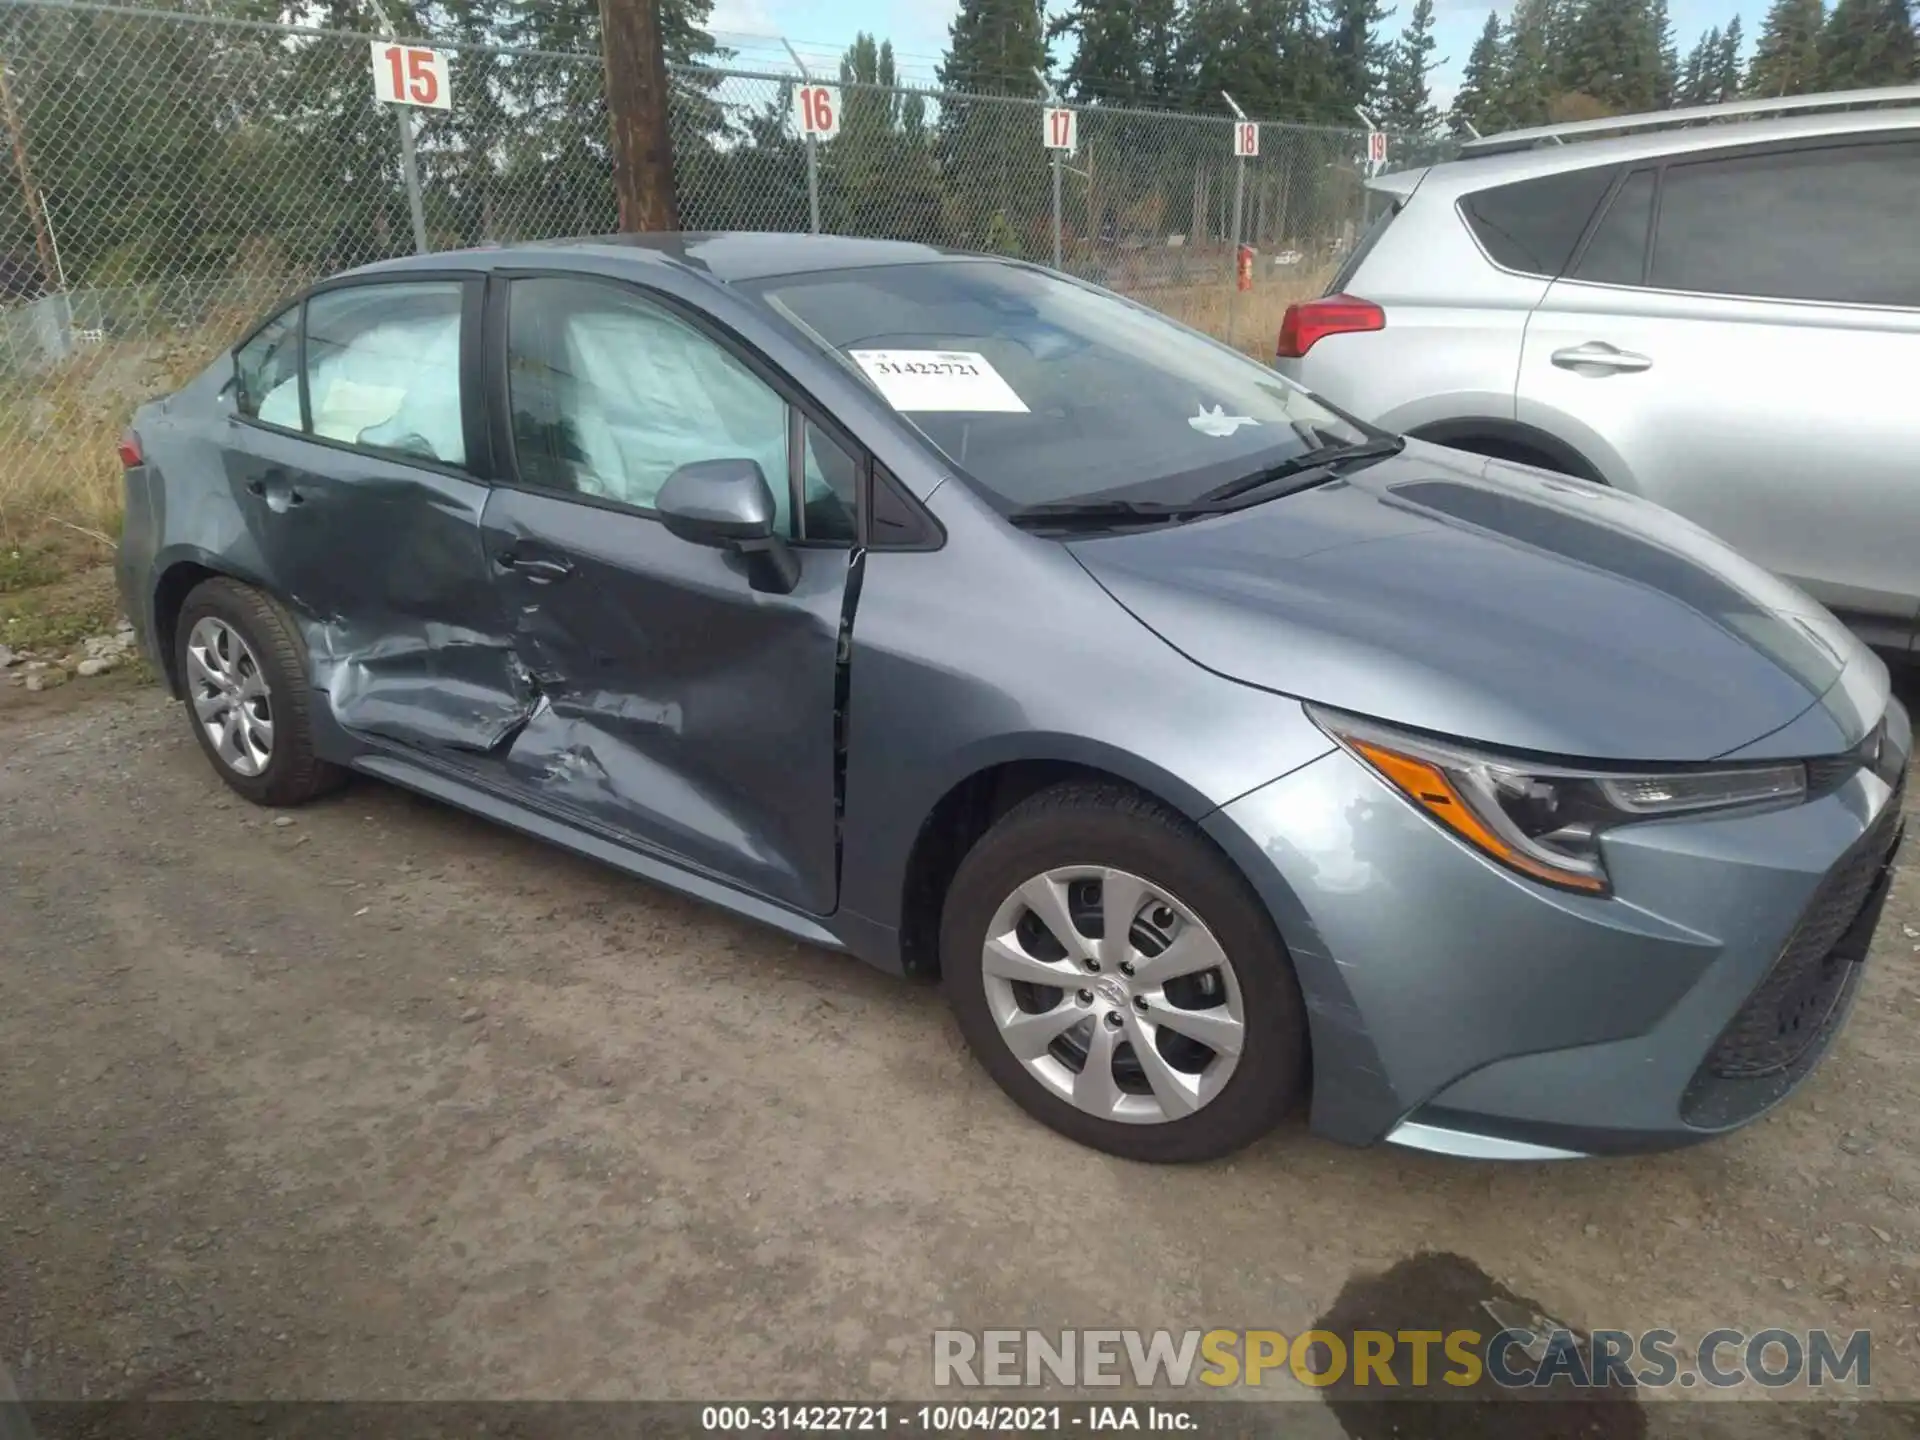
(926, 380)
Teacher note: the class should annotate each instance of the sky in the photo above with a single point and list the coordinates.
(820, 29)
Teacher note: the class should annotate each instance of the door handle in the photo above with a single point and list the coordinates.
(541, 572)
(1597, 358)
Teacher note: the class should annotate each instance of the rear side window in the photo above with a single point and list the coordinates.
(383, 368)
(267, 372)
(1617, 253)
(1368, 239)
(1833, 224)
(1532, 225)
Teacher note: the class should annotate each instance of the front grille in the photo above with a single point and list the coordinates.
(1789, 1009)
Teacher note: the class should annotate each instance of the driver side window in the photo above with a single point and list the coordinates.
(610, 394)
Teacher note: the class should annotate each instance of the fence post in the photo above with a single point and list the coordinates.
(410, 172)
(1239, 201)
(813, 146)
(1053, 98)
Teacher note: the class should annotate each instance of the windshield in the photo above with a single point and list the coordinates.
(1044, 391)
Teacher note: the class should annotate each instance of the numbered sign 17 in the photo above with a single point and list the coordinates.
(1246, 138)
(820, 111)
(411, 75)
(1060, 129)
(1376, 147)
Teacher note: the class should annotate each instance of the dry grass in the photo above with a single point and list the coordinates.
(1249, 320)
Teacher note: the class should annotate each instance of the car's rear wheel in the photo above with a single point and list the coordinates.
(1120, 981)
(243, 670)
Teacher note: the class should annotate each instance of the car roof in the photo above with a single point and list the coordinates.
(1475, 171)
(725, 256)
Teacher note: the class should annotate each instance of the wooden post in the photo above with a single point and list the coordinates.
(642, 144)
(29, 192)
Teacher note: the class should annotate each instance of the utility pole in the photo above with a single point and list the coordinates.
(642, 144)
(29, 191)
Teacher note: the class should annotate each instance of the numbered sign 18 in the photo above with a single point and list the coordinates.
(1376, 147)
(411, 75)
(1246, 138)
(820, 111)
(1060, 129)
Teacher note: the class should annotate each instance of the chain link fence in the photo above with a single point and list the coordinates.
(172, 174)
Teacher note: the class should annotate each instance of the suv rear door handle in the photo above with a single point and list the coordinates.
(1596, 358)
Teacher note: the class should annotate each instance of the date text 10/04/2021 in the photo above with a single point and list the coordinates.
(1090, 1418)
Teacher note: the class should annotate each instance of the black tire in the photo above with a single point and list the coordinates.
(293, 774)
(1111, 825)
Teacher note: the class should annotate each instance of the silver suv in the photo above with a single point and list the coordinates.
(1722, 318)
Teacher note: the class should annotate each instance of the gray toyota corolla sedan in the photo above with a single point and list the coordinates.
(1215, 749)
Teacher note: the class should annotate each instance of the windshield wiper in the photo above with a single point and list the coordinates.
(1331, 458)
(1098, 513)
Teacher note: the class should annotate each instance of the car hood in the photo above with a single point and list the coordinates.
(1496, 603)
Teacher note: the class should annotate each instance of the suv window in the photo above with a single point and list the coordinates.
(1833, 223)
(1617, 252)
(1369, 238)
(1532, 225)
(611, 393)
(383, 368)
(267, 372)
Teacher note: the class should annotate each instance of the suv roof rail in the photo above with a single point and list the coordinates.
(1692, 115)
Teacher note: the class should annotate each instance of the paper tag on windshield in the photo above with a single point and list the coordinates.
(938, 380)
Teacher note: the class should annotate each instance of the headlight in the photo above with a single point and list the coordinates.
(1546, 820)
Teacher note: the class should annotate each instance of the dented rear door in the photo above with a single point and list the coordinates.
(676, 705)
(361, 481)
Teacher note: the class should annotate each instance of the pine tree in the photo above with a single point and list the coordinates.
(999, 173)
(1406, 104)
(1726, 78)
(1612, 55)
(1480, 101)
(1698, 74)
(1667, 72)
(1528, 64)
(1356, 56)
(1787, 60)
(1867, 43)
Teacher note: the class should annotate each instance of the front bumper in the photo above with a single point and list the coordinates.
(1456, 1006)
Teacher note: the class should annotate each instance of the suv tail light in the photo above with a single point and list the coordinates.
(1314, 320)
(130, 452)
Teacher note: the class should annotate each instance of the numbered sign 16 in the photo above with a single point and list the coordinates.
(1060, 129)
(820, 111)
(1246, 138)
(1376, 147)
(411, 75)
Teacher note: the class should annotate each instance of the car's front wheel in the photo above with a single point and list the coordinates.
(243, 668)
(1119, 979)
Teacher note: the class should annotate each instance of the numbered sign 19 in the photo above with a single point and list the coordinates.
(1246, 138)
(1376, 147)
(820, 111)
(411, 75)
(1060, 129)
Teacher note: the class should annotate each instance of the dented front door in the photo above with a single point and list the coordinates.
(675, 704)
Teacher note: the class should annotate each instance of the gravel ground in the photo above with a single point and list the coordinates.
(374, 1100)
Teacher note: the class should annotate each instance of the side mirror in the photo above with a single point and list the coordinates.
(727, 505)
(717, 503)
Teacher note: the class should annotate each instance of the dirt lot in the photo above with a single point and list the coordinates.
(375, 1100)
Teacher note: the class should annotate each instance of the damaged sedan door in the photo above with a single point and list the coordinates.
(686, 690)
(352, 460)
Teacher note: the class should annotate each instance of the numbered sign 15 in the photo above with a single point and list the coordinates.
(1060, 129)
(820, 111)
(1376, 147)
(411, 75)
(1246, 138)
